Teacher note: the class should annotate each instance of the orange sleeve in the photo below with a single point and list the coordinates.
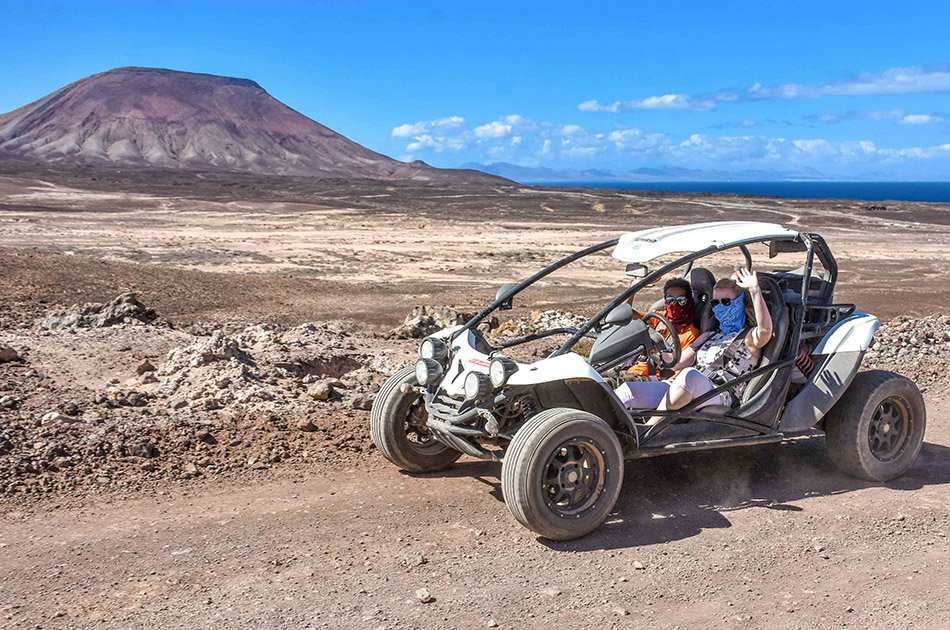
(688, 336)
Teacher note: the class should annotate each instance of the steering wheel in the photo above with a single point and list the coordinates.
(669, 344)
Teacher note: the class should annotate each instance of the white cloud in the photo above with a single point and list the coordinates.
(671, 101)
(436, 143)
(813, 145)
(920, 119)
(909, 80)
(571, 130)
(546, 147)
(636, 140)
(408, 130)
(892, 81)
(449, 121)
(664, 101)
(583, 152)
(493, 129)
(516, 141)
(597, 106)
(514, 119)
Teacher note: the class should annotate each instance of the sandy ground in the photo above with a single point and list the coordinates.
(746, 538)
(758, 537)
(374, 251)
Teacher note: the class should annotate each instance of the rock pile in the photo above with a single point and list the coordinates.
(425, 320)
(918, 348)
(238, 398)
(538, 321)
(125, 308)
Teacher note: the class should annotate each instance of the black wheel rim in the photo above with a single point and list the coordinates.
(889, 429)
(574, 477)
(417, 433)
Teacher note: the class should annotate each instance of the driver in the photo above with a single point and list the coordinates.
(679, 310)
(718, 356)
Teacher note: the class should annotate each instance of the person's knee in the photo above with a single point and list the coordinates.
(692, 381)
(686, 377)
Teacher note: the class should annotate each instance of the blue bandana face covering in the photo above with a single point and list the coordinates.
(731, 318)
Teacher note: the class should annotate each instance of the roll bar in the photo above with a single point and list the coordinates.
(814, 242)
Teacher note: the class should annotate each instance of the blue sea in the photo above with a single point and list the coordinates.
(869, 191)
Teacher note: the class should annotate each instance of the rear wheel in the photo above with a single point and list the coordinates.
(877, 428)
(398, 427)
(562, 473)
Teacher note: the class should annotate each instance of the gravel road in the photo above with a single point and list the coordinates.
(771, 536)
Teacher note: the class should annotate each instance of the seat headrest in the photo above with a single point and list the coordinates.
(702, 282)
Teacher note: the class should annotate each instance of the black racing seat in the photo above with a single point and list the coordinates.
(702, 282)
(774, 349)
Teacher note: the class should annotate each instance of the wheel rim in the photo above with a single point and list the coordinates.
(418, 436)
(574, 477)
(889, 429)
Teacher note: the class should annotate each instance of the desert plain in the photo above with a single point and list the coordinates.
(211, 510)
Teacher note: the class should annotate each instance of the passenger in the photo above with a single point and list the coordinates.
(679, 309)
(745, 327)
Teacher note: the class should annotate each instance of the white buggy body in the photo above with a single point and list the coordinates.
(561, 432)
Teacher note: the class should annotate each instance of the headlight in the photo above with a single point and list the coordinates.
(433, 348)
(477, 386)
(428, 371)
(500, 369)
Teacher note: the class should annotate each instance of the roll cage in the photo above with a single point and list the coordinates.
(812, 316)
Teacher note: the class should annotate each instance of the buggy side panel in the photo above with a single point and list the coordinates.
(853, 334)
(586, 395)
(843, 348)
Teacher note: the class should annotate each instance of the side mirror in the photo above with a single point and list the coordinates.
(635, 270)
(619, 316)
(503, 290)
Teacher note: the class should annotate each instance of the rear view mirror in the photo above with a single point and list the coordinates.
(635, 270)
(785, 247)
(620, 316)
(504, 290)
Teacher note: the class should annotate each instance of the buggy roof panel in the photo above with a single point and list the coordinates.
(645, 245)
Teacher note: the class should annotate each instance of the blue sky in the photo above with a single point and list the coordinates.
(847, 89)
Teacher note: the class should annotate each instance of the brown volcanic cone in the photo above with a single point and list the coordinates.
(149, 117)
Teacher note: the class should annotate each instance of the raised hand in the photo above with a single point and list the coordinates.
(747, 279)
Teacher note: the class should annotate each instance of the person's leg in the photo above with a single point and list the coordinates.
(642, 394)
(688, 385)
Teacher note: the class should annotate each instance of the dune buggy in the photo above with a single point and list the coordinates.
(563, 435)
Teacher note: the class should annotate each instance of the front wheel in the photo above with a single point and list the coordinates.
(562, 473)
(398, 427)
(877, 428)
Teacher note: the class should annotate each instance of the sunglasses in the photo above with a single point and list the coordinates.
(724, 301)
(679, 299)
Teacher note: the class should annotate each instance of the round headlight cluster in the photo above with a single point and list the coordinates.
(434, 348)
(500, 370)
(477, 386)
(428, 371)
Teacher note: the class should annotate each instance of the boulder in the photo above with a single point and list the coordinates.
(8, 354)
(123, 309)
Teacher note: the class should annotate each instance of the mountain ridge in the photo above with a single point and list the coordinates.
(156, 117)
(538, 174)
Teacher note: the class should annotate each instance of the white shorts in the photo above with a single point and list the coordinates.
(649, 394)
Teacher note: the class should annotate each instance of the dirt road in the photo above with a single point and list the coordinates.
(748, 538)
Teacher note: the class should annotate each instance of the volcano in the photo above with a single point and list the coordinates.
(157, 118)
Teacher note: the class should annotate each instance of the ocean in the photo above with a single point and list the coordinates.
(868, 191)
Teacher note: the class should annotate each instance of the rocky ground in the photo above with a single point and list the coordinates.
(197, 456)
(110, 397)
